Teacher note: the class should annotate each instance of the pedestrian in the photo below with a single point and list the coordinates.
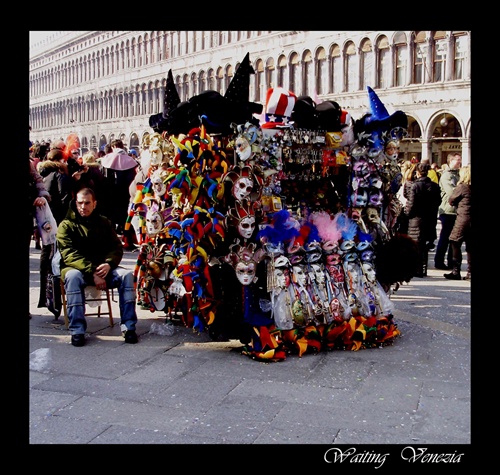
(119, 170)
(37, 196)
(432, 172)
(91, 253)
(59, 185)
(421, 209)
(92, 176)
(408, 171)
(461, 232)
(447, 213)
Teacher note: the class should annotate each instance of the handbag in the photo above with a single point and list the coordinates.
(53, 298)
(46, 223)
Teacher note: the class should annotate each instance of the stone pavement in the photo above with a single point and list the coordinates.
(187, 389)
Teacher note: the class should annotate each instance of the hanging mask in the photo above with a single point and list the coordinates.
(245, 272)
(376, 198)
(246, 227)
(242, 188)
(359, 198)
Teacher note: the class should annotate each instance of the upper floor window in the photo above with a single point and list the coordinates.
(351, 70)
(401, 59)
(420, 58)
(335, 70)
(440, 51)
(461, 46)
(366, 63)
(383, 63)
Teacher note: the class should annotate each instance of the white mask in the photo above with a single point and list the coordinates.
(245, 272)
(246, 227)
(242, 188)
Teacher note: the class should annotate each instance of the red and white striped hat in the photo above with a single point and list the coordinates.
(279, 107)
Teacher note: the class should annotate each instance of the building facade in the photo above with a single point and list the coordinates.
(106, 84)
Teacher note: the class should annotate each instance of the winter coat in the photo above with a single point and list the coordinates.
(447, 184)
(85, 243)
(36, 189)
(59, 185)
(421, 208)
(460, 198)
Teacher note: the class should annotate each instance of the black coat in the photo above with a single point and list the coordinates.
(460, 198)
(422, 208)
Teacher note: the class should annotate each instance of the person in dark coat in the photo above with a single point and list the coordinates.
(421, 208)
(59, 185)
(461, 232)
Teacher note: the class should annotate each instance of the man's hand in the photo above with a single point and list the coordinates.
(100, 274)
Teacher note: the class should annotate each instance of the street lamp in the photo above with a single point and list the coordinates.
(444, 121)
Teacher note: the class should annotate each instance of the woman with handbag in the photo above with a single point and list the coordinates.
(59, 184)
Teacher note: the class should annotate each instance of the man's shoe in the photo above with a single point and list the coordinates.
(467, 276)
(452, 276)
(78, 340)
(441, 266)
(131, 336)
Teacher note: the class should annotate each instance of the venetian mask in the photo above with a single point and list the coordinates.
(243, 148)
(159, 188)
(282, 277)
(299, 276)
(242, 188)
(246, 227)
(245, 272)
(154, 222)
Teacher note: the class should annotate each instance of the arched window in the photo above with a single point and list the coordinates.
(258, 93)
(294, 74)
(460, 51)
(193, 85)
(228, 77)
(351, 67)
(219, 81)
(366, 63)
(212, 84)
(185, 87)
(321, 72)
(307, 74)
(401, 59)
(383, 63)
(202, 82)
(280, 82)
(336, 83)
(269, 74)
(419, 58)
(440, 51)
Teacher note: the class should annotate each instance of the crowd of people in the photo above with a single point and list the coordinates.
(190, 210)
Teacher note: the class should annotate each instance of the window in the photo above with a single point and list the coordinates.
(270, 72)
(351, 69)
(420, 56)
(401, 54)
(294, 62)
(335, 70)
(383, 63)
(460, 51)
(366, 63)
(258, 93)
(321, 72)
(440, 50)
(280, 81)
(307, 72)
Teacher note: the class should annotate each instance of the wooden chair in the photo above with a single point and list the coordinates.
(105, 298)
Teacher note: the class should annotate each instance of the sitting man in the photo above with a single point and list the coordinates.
(90, 254)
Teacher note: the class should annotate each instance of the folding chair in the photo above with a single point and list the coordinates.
(104, 298)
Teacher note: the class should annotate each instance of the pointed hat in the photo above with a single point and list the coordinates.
(171, 99)
(377, 109)
(239, 87)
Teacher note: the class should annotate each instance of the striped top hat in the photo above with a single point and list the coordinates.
(279, 107)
